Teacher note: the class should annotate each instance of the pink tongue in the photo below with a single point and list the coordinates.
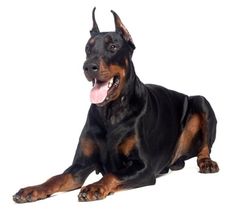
(98, 93)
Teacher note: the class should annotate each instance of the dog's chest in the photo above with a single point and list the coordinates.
(118, 154)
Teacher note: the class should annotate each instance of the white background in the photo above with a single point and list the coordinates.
(188, 46)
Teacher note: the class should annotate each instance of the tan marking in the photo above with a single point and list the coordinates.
(107, 72)
(99, 190)
(204, 162)
(104, 73)
(111, 181)
(87, 146)
(59, 183)
(127, 145)
(193, 125)
(121, 72)
(204, 153)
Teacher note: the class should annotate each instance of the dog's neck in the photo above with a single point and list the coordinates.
(125, 105)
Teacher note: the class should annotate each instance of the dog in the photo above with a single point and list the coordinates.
(134, 132)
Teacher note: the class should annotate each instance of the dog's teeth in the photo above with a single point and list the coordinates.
(110, 83)
(94, 81)
(116, 84)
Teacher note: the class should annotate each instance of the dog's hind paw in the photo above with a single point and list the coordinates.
(207, 165)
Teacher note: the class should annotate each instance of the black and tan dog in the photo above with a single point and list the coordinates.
(134, 132)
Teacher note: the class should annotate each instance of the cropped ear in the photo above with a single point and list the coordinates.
(120, 28)
(95, 30)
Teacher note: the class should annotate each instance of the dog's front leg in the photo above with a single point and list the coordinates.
(113, 182)
(71, 179)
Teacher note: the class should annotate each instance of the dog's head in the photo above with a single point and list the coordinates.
(106, 65)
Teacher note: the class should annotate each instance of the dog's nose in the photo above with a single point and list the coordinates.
(90, 67)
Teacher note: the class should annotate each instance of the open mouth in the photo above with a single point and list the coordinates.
(103, 90)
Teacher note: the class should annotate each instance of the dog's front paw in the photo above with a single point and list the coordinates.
(93, 192)
(30, 194)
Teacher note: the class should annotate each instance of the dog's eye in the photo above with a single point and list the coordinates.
(113, 47)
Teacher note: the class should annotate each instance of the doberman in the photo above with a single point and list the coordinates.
(133, 132)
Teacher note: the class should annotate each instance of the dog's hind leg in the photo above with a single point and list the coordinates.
(208, 132)
(197, 137)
